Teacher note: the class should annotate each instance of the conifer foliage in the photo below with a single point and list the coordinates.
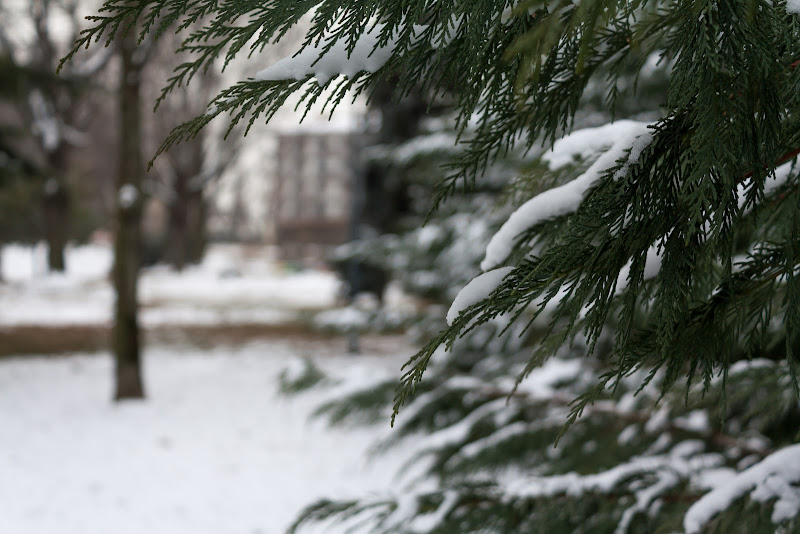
(650, 297)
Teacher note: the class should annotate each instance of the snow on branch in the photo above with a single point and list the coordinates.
(664, 472)
(334, 55)
(773, 478)
(459, 432)
(773, 182)
(324, 60)
(424, 400)
(621, 135)
(478, 289)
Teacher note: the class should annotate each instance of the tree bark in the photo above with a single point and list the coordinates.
(56, 208)
(196, 238)
(55, 204)
(185, 235)
(126, 335)
(177, 231)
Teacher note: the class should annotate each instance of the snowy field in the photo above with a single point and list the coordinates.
(231, 286)
(215, 448)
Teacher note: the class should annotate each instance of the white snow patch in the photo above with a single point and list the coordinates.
(583, 144)
(648, 476)
(348, 318)
(428, 522)
(366, 55)
(772, 183)
(638, 146)
(622, 135)
(541, 382)
(25, 263)
(627, 435)
(695, 421)
(478, 289)
(505, 433)
(429, 234)
(458, 432)
(652, 265)
(714, 478)
(793, 6)
(213, 449)
(127, 195)
(772, 478)
(226, 288)
(657, 421)
(666, 480)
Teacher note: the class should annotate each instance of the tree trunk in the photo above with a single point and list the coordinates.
(187, 218)
(128, 235)
(55, 203)
(56, 207)
(186, 239)
(177, 231)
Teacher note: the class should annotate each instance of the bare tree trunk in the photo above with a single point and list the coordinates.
(186, 237)
(177, 231)
(55, 203)
(185, 218)
(127, 244)
(196, 238)
(56, 208)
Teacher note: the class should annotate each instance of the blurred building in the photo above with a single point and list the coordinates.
(290, 189)
(313, 199)
(288, 183)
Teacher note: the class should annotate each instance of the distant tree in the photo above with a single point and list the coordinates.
(21, 178)
(182, 177)
(661, 254)
(127, 235)
(55, 112)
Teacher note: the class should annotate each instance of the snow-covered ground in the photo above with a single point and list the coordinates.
(231, 286)
(214, 449)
